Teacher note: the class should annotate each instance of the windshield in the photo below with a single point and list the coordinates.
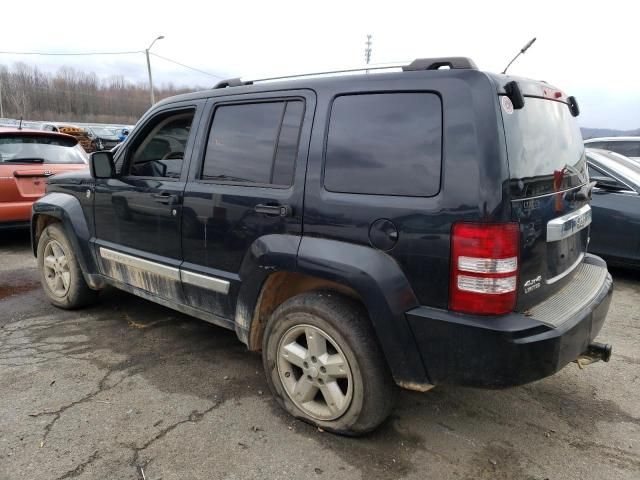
(40, 149)
(545, 148)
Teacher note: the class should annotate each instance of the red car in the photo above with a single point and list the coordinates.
(27, 158)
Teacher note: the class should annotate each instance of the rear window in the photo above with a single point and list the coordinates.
(545, 148)
(626, 148)
(40, 149)
(385, 144)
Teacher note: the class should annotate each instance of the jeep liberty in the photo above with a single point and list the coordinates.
(365, 231)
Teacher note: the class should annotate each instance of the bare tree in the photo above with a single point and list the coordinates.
(73, 95)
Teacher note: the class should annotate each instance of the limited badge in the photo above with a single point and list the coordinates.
(507, 106)
(532, 284)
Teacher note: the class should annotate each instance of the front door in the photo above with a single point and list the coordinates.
(138, 213)
(247, 181)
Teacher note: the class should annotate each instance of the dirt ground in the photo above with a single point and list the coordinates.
(131, 390)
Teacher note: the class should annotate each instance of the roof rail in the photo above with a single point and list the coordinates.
(419, 64)
(436, 63)
(231, 82)
(329, 72)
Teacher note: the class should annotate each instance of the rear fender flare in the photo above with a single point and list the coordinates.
(385, 291)
(372, 274)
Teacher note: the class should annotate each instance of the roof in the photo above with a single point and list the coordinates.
(613, 139)
(460, 67)
(34, 133)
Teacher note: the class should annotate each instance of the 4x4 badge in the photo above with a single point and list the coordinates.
(532, 284)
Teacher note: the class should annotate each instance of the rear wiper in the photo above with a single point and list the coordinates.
(24, 160)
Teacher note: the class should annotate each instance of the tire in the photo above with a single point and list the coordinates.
(70, 291)
(367, 390)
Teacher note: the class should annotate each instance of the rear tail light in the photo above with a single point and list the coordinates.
(484, 268)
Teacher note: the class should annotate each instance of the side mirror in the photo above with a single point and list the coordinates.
(606, 183)
(101, 165)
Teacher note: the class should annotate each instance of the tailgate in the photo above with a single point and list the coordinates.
(548, 188)
(31, 182)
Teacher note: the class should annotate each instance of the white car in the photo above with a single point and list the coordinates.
(627, 146)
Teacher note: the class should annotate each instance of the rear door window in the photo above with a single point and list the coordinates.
(255, 143)
(385, 144)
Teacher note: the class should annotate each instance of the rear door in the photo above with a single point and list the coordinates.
(547, 167)
(246, 182)
(138, 214)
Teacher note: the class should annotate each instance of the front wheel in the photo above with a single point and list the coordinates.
(324, 365)
(60, 272)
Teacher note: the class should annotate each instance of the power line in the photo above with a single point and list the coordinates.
(186, 66)
(70, 53)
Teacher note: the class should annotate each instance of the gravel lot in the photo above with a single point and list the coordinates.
(128, 387)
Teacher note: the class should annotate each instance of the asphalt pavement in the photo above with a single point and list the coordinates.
(131, 390)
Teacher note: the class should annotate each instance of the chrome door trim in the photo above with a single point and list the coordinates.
(566, 225)
(204, 281)
(140, 263)
(177, 274)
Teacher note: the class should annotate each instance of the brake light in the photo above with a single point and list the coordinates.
(484, 268)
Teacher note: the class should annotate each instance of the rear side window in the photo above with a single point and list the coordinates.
(254, 143)
(628, 149)
(385, 144)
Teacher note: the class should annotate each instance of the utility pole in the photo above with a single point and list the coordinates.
(1, 109)
(367, 51)
(153, 99)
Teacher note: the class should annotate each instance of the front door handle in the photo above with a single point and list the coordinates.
(274, 210)
(165, 198)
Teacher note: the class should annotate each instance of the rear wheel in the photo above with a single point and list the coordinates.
(60, 272)
(324, 365)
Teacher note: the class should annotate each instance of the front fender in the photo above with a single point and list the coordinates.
(67, 209)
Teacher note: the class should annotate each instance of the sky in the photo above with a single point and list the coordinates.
(588, 49)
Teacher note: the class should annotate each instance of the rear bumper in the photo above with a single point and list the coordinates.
(509, 350)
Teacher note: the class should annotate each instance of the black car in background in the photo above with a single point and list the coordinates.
(615, 231)
(103, 138)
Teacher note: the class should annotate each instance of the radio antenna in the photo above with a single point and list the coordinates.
(524, 49)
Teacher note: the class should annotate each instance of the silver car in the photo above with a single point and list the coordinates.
(627, 146)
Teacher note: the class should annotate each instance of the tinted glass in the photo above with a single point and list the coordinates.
(247, 143)
(595, 145)
(287, 150)
(545, 148)
(161, 152)
(385, 144)
(37, 149)
(628, 149)
(595, 173)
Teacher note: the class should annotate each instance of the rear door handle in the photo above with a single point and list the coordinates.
(274, 210)
(165, 198)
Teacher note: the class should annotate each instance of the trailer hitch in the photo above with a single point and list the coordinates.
(594, 353)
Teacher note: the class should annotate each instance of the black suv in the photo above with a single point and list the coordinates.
(410, 228)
